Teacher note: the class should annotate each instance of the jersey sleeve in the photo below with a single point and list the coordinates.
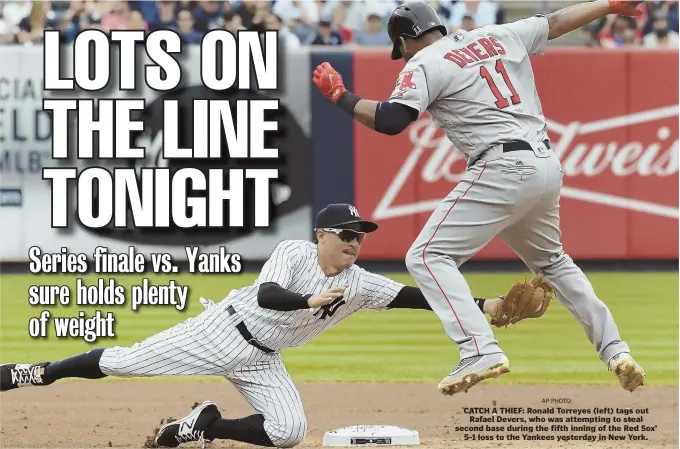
(378, 291)
(533, 32)
(280, 266)
(419, 83)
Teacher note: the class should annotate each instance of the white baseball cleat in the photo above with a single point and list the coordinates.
(630, 374)
(190, 428)
(472, 370)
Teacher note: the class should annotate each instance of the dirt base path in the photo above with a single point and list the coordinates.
(123, 414)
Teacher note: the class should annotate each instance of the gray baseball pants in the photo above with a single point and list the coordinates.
(514, 195)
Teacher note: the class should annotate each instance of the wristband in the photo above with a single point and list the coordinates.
(480, 303)
(347, 102)
(274, 297)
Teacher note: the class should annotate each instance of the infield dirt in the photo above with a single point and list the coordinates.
(123, 414)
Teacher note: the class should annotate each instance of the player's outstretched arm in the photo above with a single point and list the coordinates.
(271, 295)
(383, 117)
(524, 300)
(413, 298)
(574, 17)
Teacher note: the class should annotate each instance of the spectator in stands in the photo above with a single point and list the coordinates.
(320, 9)
(185, 27)
(357, 11)
(6, 31)
(101, 7)
(232, 22)
(630, 38)
(325, 35)
(661, 35)
(14, 12)
(80, 16)
(208, 15)
(305, 11)
(338, 18)
(444, 10)
(615, 30)
(468, 23)
(92, 21)
(300, 16)
(60, 8)
(666, 8)
(253, 13)
(31, 27)
(137, 21)
(290, 41)
(166, 19)
(118, 17)
(70, 20)
(484, 12)
(374, 32)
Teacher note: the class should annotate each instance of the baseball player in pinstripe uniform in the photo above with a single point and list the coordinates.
(303, 289)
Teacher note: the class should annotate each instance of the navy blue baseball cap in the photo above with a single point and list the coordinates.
(343, 216)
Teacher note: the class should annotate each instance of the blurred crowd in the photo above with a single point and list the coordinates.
(657, 27)
(301, 22)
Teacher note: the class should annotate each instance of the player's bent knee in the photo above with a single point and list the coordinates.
(414, 260)
(126, 361)
(112, 362)
(562, 260)
(288, 434)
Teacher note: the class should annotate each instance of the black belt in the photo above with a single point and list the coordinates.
(520, 145)
(247, 336)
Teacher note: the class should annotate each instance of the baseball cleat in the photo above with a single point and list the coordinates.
(21, 375)
(190, 428)
(630, 374)
(472, 370)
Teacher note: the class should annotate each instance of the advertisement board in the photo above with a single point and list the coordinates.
(612, 119)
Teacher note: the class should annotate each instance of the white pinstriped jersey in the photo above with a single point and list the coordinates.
(478, 86)
(294, 266)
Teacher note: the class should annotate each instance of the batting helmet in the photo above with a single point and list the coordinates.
(412, 19)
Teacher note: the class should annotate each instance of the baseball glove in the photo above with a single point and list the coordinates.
(524, 300)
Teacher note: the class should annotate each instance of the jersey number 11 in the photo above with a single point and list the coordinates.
(501, 102)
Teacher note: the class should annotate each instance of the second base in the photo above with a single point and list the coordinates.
(365, 435)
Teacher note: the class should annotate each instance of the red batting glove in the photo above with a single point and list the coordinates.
(329, 82)
(625, 7)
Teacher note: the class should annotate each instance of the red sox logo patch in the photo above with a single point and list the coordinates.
(405, 82)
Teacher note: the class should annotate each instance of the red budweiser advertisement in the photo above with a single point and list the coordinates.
(612, 119)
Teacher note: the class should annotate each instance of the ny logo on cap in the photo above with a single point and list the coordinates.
(353, 210)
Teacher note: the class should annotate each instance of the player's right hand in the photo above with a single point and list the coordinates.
(325, 297)
(329, 82)
(625, 7)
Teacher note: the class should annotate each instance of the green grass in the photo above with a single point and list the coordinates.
(394, 346)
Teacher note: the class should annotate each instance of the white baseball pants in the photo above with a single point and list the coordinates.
(209, 344)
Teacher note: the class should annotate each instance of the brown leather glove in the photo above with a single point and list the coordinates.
(524, 300)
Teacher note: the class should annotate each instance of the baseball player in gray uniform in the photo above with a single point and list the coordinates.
(303, 289)
(478, 87)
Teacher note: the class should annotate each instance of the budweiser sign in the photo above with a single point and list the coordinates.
(585, 150)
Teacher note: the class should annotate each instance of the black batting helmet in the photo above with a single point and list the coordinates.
(411, 19)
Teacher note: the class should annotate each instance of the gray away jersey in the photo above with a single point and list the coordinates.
(478, 86)
(293, 265)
